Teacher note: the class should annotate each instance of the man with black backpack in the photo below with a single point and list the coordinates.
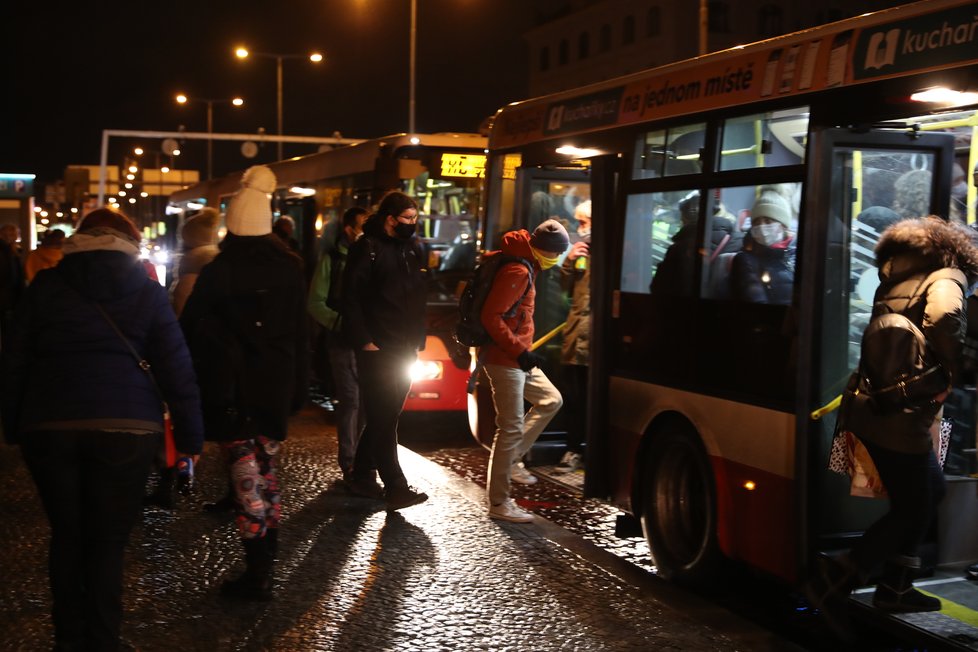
(513, 369)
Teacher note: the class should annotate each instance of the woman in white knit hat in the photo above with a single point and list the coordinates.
(764, 271)
(245, 323)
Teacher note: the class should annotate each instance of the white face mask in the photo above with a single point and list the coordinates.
(767, 234)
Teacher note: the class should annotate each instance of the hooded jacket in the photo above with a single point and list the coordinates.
(62, 343)
(906, 254)
(509, 337)
(384, 291)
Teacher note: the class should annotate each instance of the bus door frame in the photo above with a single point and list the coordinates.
(822, 177)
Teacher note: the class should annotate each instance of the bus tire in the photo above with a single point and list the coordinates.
(678, 507)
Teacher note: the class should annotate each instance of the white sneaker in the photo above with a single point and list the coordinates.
(508, 510)
(518, 473)
(569, 462)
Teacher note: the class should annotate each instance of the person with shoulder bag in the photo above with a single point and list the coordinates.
(926, 267)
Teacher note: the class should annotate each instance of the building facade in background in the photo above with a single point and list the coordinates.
(595, 40)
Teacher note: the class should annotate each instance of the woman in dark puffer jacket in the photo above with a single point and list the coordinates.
(88, 418)
(920, 260)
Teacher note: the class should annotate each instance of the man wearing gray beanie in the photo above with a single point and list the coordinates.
(513, 368)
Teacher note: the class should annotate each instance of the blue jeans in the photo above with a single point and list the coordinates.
(349, 412)
(384, 385)
(91, 485)
(915, 484)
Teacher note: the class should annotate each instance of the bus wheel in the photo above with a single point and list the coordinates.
(678, 511)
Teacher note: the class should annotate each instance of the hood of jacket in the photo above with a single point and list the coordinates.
(103, 275)
(517, 243)
(926, 244)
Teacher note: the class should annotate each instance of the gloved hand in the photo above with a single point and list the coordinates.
(528, 359)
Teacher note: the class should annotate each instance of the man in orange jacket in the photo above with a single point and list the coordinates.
(513, 369)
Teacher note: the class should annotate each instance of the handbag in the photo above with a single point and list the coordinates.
(169, 445)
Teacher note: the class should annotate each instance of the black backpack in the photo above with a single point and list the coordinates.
(469, 331)
(897, 370)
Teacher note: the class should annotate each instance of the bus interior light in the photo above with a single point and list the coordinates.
(577, 152)
(302, 192)
(750, 486)
(945, 96)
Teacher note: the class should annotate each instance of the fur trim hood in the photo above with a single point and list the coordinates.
(932, 241)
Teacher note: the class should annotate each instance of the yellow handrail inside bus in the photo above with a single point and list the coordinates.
(759, 143)
(970, 121)
(546, 338)
(831, 406)
(857, 181)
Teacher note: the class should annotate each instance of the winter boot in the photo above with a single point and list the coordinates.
(895, 592)
(255, 583)
(162, 495)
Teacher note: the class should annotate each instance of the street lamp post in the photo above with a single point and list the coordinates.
(413, 59)
(315, 57)
(235, 101)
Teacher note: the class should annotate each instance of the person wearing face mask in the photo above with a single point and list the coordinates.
(324, 304)
(513, 369)
(383, 308)
(764, 271)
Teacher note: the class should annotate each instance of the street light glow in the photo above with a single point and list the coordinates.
(133, 169)
(132, 200)
(315, 57)
(164, 169)
(128, 185)
(176, 152)
(138, 151)
(144, 194)
(38, 209)
(237, 101)
(241, 53)
(181, 99)
(122, 193)
(131, 177)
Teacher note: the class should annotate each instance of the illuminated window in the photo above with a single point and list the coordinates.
(669, 152)
(628, 30)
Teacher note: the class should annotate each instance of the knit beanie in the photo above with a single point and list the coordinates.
(201, 229)
(250, 212)
(550, 236)
(773, 206)
(105, 221)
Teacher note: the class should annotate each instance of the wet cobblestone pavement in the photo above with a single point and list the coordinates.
(439, 576)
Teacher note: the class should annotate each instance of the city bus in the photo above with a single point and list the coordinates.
(709, 417)
(443, 172)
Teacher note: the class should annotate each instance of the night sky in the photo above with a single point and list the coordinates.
(84, 67)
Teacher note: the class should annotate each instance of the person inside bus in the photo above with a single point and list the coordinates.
(575, 275)
(513, 368)
(284, 228)
(325, 304)
(676, 273)
(911, 193)
(911, 253)
(764, 271)
(383, 307)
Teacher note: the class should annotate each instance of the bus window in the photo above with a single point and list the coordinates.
(669, 152)
(771, 139)
(651, 221)
(766, 274)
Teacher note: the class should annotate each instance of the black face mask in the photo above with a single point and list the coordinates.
(403, 230)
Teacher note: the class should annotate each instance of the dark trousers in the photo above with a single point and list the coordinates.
(915, 484)
(349, 412)
(91, 485)
(384, 385)
(575, 405)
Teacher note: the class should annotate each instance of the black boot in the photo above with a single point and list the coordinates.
(162, 495)
(895, 592)
(255, 583)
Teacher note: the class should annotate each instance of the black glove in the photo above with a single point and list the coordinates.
(528, 359)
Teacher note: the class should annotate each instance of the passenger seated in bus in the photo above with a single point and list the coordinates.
(676, 273)
(764, 271)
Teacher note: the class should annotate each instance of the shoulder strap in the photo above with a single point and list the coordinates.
(142, 362)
